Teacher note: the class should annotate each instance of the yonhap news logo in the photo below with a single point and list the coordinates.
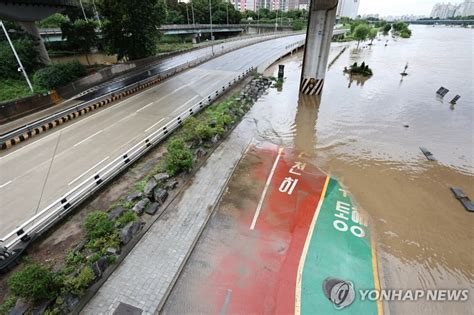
(342, 293)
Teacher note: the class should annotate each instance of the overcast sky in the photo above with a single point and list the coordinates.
(399, 7)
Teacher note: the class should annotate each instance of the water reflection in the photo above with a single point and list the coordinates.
(305, 121)
(369, 135)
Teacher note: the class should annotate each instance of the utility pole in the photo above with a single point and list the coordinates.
(97, 13)
(187, 12)
(210, 18)
(192, 12)
(83, 11)
(21, 68)
(227, 11)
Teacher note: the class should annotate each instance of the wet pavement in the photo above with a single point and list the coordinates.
(283, 227)
(357, 133)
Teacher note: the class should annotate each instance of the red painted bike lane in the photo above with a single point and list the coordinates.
(258, 271)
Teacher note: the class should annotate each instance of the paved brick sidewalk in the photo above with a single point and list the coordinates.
(146, 274)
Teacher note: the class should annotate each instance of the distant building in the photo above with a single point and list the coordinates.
(348, 8)
(448, 10)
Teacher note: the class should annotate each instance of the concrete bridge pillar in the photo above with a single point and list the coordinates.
(322, 17)
(32, 29)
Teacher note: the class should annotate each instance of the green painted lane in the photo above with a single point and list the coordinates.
(339, 253)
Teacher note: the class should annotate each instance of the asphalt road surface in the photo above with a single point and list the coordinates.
(43, 169)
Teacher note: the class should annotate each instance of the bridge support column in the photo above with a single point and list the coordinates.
(32, 29)
(322, 17)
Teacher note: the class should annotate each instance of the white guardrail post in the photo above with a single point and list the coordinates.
(61, 207)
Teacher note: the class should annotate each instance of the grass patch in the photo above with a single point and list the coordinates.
(11, 89)
(170, 47)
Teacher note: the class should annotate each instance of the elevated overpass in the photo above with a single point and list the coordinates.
(55, 34)
(26, 12)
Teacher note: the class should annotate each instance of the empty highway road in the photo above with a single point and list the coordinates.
(41, 171)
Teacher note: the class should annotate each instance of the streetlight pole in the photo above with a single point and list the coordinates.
(97, 13)
(22, 69)
(83, 11)
(227, 11)
(192, 12)
(210, 18)
(187, 12)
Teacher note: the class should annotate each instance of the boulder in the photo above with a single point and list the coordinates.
(112, 251)
(140, 206)
(171, 184)
(160, 195)
(99, 266)
(134, 196)
(71, 301)
(152, 208)
(79, 246)
(150, 185)
(117, 212)
(200, 152)
(213, 123)
(20, 308)
(40, 309)
(129, 230)
(215, 139)
(161, 177)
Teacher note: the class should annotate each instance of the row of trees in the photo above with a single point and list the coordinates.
(361, 30)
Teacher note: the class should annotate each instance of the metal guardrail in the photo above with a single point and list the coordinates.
(15, 242)
(62, 206)
(38, 123)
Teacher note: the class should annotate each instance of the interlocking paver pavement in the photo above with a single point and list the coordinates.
(147, 273)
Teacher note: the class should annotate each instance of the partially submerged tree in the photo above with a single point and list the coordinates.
(361, 32)
(372, 34)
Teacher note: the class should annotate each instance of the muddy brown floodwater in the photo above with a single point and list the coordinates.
(358, 134)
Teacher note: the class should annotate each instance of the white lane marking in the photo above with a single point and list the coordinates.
(154, 124)
(267, 184)
(87, 171)
(1, 186)
(149, 104)
(196, 96)
(88, 138)
(162, 98)
(72, 125)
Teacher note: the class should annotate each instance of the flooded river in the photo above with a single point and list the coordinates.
(367, 133)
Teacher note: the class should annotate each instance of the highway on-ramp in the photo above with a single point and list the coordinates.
(41, 171)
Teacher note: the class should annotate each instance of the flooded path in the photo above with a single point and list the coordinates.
(358, 134)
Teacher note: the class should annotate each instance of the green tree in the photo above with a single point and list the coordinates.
(131, 28)
(36, 283)
(80, 35)
(387, 28)
(52, 21)
(361, 32)
(372, 34)
(26, 49)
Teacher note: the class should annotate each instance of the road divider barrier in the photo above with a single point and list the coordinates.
(14, 243)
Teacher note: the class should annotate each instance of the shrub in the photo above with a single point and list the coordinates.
(7, 305)
(59, 74)
(203, 131)
(178, 158)
(298, 25)
(125, 218)
(28, 53)
(101, 244)
(35, 283)
(74, 259)
(77, 285)
(98, 225)
(189, 127)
